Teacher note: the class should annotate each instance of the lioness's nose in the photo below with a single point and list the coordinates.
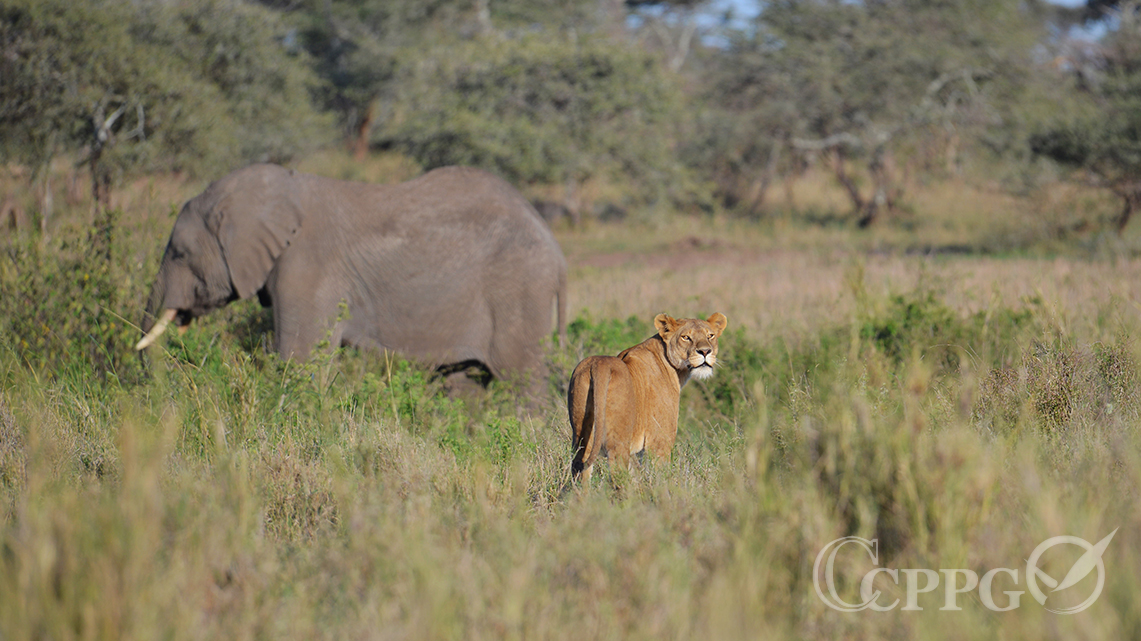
(704, 351)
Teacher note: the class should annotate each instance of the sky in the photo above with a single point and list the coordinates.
(745, 10)
(749, 8)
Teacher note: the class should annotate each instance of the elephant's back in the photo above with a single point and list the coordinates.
(493, 210)
(452, 209)
(259, 178)
(467, 196)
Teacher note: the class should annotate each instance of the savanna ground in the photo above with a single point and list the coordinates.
(960, 383)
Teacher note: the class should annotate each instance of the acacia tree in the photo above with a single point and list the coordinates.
(355, 47)
(146, 85)
(851, 80)
(360, 47)
(62, 88)
(543, 110)
(1103, 141)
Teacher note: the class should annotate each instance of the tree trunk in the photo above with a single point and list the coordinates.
(951, 154)
(766, 180)
(865, 210)
(796, 169)
(12, 215)
(1131, 196)
(100, 173)
(885, 195)
(47, 204)
(868, 215)
(100, 182)
(364, 129)
(571, 202)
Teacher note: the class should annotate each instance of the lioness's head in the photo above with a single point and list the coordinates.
(691, 343)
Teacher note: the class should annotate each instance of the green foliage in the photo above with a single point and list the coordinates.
(503, 439)
(47, 45)
(890, 335)
(1104, 138)
(62, 307)
(537, 109)
(266, 89)
(188, 85)
(889, 78)
(361, 47)
(607, 336)
(355, 48)
(921, 321)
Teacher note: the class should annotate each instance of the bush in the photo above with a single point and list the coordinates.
(537, 110)
(189, 85)
(62, 306)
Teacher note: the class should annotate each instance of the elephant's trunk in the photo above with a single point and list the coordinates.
(155, 319)
(155, 300)
(157, 330)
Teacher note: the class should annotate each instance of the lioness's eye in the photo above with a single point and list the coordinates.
(685, 338)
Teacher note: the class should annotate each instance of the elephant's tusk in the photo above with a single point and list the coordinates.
(157, 330)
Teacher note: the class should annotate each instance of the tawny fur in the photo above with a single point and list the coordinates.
(622, 405)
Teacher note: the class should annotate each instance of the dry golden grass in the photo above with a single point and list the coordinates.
(228, 495)
(688, 269)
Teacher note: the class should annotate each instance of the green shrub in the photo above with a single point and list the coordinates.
(607, 336)
(64, 304)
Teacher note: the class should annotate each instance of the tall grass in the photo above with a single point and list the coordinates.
(211, 490)
(230, 494)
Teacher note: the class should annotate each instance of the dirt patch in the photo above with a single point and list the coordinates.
(696, 243)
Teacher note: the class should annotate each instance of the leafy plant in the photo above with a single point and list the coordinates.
(63, 307)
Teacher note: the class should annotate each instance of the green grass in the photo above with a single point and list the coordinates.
(210, 490)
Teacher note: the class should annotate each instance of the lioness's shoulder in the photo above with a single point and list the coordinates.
(651, 344)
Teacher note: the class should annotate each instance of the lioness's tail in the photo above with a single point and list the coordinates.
(598, 382)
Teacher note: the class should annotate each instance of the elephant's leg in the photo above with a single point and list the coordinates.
(299, 326)
(520, 324)
(307, 301)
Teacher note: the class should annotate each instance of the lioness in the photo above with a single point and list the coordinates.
(620, 406)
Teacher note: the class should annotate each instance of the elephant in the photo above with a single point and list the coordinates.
(453, 268)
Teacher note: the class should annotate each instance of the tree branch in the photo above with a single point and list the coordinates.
(835, 140)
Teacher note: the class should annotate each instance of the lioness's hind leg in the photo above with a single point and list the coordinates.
(584, 474)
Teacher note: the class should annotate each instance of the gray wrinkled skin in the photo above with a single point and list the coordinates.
(452, 267)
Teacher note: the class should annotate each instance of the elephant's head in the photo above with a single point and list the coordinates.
(224, 244)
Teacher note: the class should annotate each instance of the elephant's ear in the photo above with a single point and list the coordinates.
(253, 238)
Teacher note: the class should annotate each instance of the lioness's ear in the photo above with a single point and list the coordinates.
(665, 325)
(718, 321)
